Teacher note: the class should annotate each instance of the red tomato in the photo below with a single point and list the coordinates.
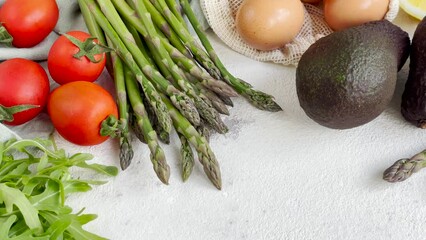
(77, 110)
(65, 68)
(23, 82)
(29, 21)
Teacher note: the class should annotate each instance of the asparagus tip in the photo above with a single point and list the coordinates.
(401, 170)
(126, 155)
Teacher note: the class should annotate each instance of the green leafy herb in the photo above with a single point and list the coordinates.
(35, 180)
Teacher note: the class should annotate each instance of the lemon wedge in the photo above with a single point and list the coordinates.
(416, 8)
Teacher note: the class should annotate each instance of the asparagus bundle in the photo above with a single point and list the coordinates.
(165, 79)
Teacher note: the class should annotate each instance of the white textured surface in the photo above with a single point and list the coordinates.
(284, 176)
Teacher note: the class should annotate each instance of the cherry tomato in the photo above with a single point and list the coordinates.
(65, 68)
(77, 110)
(29, 21)
(23, 81)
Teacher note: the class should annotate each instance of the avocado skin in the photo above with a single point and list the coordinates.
(348, 78)
(413, 104)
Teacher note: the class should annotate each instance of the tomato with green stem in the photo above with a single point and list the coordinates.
(76, 56)
(28, 22)
(78, 109)
(24, 89)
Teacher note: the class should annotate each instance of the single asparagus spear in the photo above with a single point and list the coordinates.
(179, 99)
(404, 168)
(160, 11)
(259, 99)
(149, 90)
(180, 59)
(206, 155)
(126, 151)
(187, 157)
(133, 123)
(158, 158)
(176, 9)
(91, 24)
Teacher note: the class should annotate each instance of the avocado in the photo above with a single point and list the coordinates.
(413, 104)
(348, 78)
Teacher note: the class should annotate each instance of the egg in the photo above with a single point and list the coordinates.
(342, 14)
(311, 1)
(269, 24)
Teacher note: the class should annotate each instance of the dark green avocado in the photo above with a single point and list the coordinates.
(413, 104)
(348, 78)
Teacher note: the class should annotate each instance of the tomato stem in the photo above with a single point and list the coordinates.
(5, 37)
(6, 113)
(111, 127)
(89, 48)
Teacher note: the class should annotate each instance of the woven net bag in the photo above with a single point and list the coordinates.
(220, 14)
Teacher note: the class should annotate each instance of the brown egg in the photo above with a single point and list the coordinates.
(269, 24)
(341, 14)
(311, 1)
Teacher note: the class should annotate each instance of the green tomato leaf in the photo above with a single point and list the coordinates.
(14, 197)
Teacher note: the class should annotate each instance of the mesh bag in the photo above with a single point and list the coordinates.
(220, 14)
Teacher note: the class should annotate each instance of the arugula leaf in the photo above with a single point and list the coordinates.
(75, 228)
(11, 196)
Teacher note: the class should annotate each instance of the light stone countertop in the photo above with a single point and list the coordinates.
(284, 176)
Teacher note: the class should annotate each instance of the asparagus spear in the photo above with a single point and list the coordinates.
(133, 123)
(158, 158)
(149, 90)
(404, 168)
(126, 151)
(179, 99)
(187, 157)
(206, 155)
(176, 9)
(91, 24)
(259, 99)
